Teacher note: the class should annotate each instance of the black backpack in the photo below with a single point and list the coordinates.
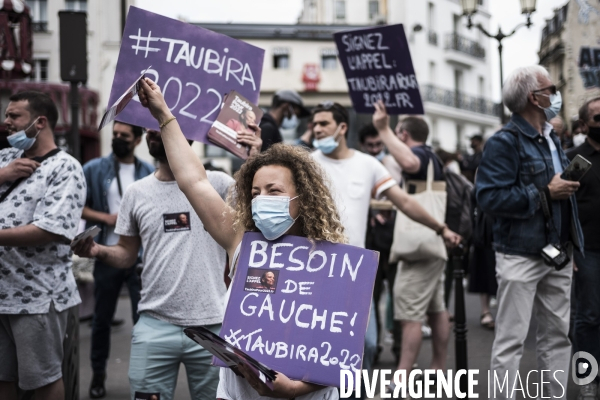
(458, 204)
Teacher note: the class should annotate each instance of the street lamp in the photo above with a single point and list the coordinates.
(469, 8)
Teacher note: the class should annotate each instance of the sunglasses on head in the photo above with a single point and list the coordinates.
(551, 88)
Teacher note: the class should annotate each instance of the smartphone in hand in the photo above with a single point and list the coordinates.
(578, 167)
(89, 232)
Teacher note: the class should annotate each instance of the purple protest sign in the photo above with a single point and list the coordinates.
(193, 66)
(301, 308)
(378, 66)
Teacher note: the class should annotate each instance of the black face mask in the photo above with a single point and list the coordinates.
(594, 133)
(120, 147)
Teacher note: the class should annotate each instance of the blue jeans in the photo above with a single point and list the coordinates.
(157, 348)
(587, 319)
(107, 287)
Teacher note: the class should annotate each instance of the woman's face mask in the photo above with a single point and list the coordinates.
(271, 214)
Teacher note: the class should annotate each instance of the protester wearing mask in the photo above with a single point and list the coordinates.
(517, 181)
(286, 109)
(182, 276)
(107, 179)
(41, 198)
(355, 179)
(280, 191)
(587, 269)
(577, 129)
(380, 233)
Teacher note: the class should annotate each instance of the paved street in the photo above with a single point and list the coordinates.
(479, 345)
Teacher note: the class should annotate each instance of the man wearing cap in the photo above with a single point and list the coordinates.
(285, 110)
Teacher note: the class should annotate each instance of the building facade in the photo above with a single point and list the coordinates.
(570, 50)
(452, 63)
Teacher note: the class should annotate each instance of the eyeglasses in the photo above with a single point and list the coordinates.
(551, 88)
(373, 145)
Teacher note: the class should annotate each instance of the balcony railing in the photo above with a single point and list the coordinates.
(459, 100)
(39, 26)
(460, 43)
(432, 37)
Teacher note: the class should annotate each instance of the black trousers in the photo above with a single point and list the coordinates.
(107, 287)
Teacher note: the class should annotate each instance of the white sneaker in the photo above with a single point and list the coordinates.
(588, 392)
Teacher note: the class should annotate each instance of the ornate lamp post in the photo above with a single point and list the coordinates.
(469, 8)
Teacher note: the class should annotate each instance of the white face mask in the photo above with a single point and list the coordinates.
(579, 139)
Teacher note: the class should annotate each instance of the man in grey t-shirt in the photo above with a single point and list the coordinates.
(182, 279)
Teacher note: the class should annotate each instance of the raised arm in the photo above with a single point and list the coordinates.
(414, 211)
(189, 172)
(403, 155)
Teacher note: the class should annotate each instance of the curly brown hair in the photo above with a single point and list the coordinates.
(318, 215)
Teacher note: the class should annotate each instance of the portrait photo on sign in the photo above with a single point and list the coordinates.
(177, 222)
(261, 280)
(235, 116)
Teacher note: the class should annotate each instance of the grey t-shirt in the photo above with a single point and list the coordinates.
(182, 279)
(52, 198)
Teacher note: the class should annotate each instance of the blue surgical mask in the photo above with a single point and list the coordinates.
(380, 156)
(328, 144)
(20, 140)
(271, 214)
(290, 122)
(555, 105)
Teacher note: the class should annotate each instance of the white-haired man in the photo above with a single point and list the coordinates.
(519, 183)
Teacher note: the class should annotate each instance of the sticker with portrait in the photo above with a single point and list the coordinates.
(177, 222)
(261, 280)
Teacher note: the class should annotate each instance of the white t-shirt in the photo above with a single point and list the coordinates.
(182, 279)
(127, 176)
(354, 181)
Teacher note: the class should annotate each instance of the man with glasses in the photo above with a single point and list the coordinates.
(355, 179)
(107, 178)
(518, 183)
(587, 269)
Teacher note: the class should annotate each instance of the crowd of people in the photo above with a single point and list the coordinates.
(172, 234)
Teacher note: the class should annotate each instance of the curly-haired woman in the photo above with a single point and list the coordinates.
(281, 191)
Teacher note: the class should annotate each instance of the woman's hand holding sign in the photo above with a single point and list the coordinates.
(152, 98)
